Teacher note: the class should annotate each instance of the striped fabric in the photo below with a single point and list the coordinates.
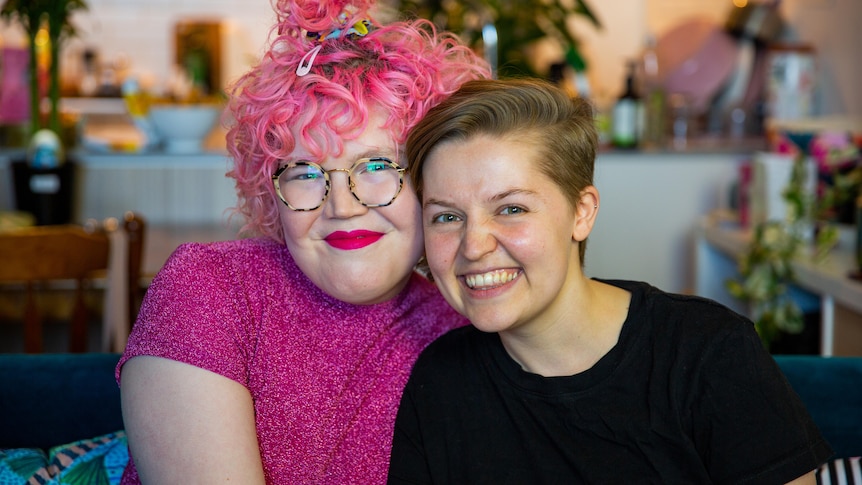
(842, 471)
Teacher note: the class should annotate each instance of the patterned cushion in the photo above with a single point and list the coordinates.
(841, 471)
(17, 466)
(100, 460)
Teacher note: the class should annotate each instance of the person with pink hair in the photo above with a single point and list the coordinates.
(281, 357)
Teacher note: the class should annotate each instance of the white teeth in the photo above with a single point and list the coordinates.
(491, 279)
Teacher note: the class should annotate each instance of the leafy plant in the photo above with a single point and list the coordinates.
(518, 24)
(767, 267)
(56, 16)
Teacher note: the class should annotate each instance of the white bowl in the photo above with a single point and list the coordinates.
(183, 128)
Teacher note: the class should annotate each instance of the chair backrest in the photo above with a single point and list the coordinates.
(39, 254)
(135, 227)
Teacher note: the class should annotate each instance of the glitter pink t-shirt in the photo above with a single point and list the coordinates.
(326, 376)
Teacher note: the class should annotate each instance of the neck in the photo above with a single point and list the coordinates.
(578, 339)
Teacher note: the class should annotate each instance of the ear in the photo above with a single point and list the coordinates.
(586, 211)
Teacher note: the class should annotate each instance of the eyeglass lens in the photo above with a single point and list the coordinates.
(373, 181)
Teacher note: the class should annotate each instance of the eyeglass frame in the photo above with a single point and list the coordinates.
(350, 183)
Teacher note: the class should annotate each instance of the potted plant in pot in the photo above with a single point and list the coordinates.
(44, 179)
(810, 228)
(55, 16)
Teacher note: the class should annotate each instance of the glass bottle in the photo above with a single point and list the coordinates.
(626, 119)
(654, 99)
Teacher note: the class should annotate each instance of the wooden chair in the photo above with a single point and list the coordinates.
(136, 228)
(39, 254)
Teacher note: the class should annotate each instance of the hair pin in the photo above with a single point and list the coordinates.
(359, 29)
(307, 61)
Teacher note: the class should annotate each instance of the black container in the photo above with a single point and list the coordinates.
(48, 194)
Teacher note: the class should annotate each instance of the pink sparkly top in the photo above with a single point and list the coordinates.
(326, 376)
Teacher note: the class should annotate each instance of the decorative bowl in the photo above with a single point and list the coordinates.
(182, 128)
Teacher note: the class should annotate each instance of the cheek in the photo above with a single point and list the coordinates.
(405, 216)
(524, 240)
(295, 225)
(440, 249)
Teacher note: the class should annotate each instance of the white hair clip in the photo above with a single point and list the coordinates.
(307, 61)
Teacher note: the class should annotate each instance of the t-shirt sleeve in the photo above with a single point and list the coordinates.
(194, 312)
(749, 424)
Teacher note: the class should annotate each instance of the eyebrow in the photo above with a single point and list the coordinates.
(494, 198)
(370, 153)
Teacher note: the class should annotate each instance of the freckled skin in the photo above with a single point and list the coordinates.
(487, 209)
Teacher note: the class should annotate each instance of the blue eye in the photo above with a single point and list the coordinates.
(308, 176)
(513, 210)
(376, 167)
(302, 173)
(444, 218)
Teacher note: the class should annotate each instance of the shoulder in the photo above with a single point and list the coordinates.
(234, 250)
(687, 331)
(226, 257)
(453, 350)
(663, 308)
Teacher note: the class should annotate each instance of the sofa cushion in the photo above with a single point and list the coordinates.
(18, 466)
(96, 460)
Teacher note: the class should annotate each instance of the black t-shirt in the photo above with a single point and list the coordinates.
(687, 395)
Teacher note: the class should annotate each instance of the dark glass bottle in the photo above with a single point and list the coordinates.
(626, 120)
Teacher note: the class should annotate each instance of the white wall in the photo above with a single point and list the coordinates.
(142, 31)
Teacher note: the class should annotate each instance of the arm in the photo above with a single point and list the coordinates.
(751, 420)
(188, 425)
(807, 479)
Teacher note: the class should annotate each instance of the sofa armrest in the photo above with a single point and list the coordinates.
(831, 388)
(53, 399)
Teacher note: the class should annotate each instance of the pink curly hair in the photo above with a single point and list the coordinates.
(405, 68)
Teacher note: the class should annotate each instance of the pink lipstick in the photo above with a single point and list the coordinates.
(353, 239)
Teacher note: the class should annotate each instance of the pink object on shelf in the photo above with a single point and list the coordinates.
(696, 58)
(15, 92)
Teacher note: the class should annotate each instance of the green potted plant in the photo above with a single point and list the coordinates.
(55, 16)
(44, 180)
(766, 269)
(518, 25)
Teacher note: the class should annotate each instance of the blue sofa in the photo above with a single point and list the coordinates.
(831, 388)
(54, 399)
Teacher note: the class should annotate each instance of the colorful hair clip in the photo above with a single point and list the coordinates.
(359, 29)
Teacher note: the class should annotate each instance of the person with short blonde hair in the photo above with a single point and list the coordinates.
(563, 378)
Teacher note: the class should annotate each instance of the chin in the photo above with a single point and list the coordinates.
(489, 324)
(364, 294)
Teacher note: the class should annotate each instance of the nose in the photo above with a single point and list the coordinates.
(341, 203)
(477, 241)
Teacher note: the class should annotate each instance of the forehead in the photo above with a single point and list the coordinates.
(485, 163)
(323, 143)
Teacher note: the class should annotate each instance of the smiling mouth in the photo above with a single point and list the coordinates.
(491, 279)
